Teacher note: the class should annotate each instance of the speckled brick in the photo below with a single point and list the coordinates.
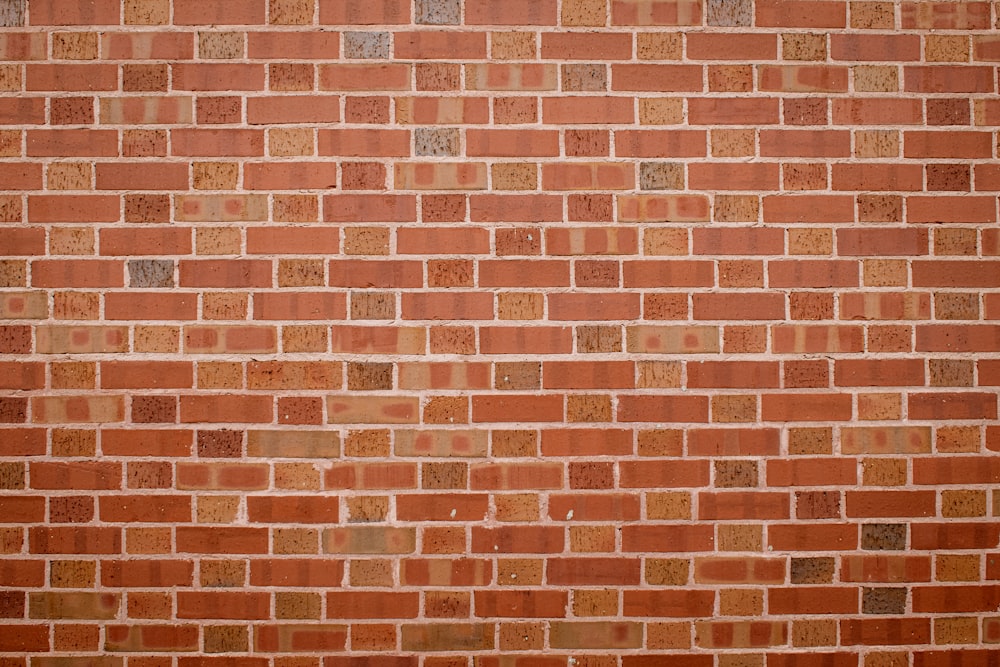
(12, 13)
(437, 12)
(437, 142)
(367, 45)
(151, 273)
(729, 13)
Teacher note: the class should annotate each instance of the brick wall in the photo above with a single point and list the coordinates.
(443, 333)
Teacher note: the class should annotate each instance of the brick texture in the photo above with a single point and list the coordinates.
(499, 333)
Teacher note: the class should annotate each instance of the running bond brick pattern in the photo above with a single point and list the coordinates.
(499, 333)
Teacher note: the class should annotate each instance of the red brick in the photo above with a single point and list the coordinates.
(568, 442)
(594, 507)
(22, 572)
(948, 79)
(893, 504)
(429, 240)
(515, 12)
(23, 510)
(147, 573)
(647, 77)
(802, 14)
(591, 241)
(655, 12)
(731, 46)
(943, 144)
(945, 15)
(888, 569)
(71, 77)
(139, 375)
(378, 340)
(803, 78)
(26, 241)
(20, 177)
(860, 47)
(813, 600)
(586, 110)
(516, 477)
(369, 208)
(75, 540)
(675, 273)
(721, 570)
(734, 176)
(877, 111)
(517, 539)
(439, 45)
(296, 572)
(961, 657)
(346, 13)
(815, 339)
(442, 306)
(746, 374)
(525, 340)
(879, 372)
(660, 143)
(293, 109)
(814, 537)
(512, 143)
(808, 208)
(231, 605)
(387, 76)
(28, 638)
(739, 306)
(955, 470)
(143, 176)
(23, 442)
(596, 306)
(956, 273)
(667, 538)
(73, 208)
(868, 242)
(881, 632)
(806, 407)
(230, 408)
(509, 407)
(145, 509)
(217, 142)
(372, 410)
(521, 604)
(943, 209)
(733, 111)
(299, 45)
(367, 476)
(663, 208)
(146, 241)
(733, 442)
(442, 507)
(292, 509)
(954, 536)
(150, 306)
(22, 375)
(585, 46)
(731, 505)
(147, 46)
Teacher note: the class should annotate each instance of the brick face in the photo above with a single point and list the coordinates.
(441, 333)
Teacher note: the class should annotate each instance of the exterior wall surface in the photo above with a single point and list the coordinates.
(499, 333)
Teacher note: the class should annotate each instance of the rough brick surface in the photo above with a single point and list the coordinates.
(440, 333)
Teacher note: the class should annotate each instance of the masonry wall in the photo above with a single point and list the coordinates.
(499, 332)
